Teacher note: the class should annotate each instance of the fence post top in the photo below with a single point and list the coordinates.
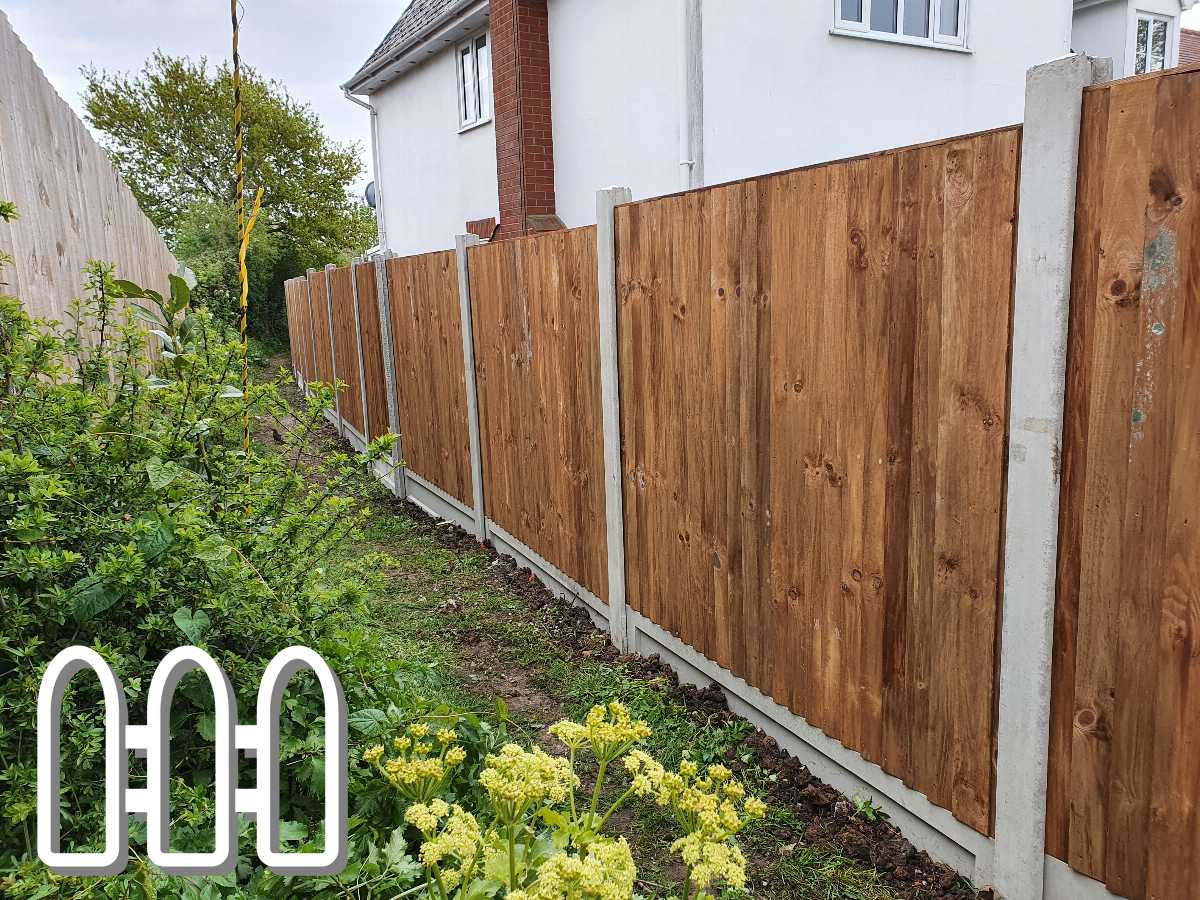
(466, 240)
(613, 196)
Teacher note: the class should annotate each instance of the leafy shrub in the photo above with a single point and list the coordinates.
(132, 521)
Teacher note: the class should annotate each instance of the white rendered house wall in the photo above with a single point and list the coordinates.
(434, 177)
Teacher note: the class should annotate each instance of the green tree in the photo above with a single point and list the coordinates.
(168, 129)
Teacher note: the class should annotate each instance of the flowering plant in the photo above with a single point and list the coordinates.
(536, 840)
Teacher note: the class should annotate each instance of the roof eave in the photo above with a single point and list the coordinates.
(461, 19)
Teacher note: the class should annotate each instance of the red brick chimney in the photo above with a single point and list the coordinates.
(521, 103)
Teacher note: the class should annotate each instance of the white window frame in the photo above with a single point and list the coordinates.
(850, 28)
(484, 96)
(1172, 58)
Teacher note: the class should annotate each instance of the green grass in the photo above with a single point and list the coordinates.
(428, 597)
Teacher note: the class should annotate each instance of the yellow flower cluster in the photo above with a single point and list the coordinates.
(610, 731)
(418, 770)
(711, 861)
(453, 840)
(707, 809)
(517, 779)
(606, 872)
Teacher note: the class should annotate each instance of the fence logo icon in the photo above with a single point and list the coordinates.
(260, 741)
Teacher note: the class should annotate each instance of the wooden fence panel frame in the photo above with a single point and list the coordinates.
(430, 384)
(895, 524)
(374, 376)
(1124, 804)
(346, 356)
(535, 321)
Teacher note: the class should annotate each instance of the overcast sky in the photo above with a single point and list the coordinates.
(312, 46)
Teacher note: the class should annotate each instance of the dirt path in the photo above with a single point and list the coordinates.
(491, 630)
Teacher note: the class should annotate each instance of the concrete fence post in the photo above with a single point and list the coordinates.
(461, 243)
(337, 395)
(1042, 295)
(392, 386)
(610, 403)
(362, 357)
(312, 327)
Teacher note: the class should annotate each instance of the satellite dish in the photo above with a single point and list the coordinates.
(369, 195)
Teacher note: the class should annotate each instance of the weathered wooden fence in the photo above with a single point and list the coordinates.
(534, 308)
(73, 205)
(813, 374)
(1125, 724)
(815, 443)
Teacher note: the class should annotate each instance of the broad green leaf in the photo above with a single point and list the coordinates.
(160, 473)
(368, 722)
(213, 549)
(192, 624)
(292, 831)
(156, 539)
(206, 727)
(229, 392)
(181, 294)
(129, 289)
(93, 595)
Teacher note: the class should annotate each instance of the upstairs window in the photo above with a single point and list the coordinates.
(1152, 43)
(932, 22)
(474, 61)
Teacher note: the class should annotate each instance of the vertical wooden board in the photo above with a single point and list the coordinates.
(322, 336)
(980, 211)
(431, 387)
(902, 714)
(1077, 414)
(1114, 327)
(1149, 454)
(1126, 679)
(1172, 283)
(536, 317)
(372, 341)
(345, 333)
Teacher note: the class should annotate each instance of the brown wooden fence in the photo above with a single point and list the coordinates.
(814, 393)
(535, 313)
(372, 350)
(430, 390)
(1125, 732)
(322, 331)
(345, 336)
(813, 371)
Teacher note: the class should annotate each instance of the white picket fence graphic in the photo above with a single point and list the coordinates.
(260, 740)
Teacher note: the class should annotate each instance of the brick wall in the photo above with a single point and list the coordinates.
(524, 133)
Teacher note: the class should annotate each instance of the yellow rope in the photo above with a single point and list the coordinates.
(244, 226)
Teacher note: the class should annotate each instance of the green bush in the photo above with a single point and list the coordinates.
(132, 521)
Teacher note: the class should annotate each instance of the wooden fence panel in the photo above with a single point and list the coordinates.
(536, 324)
(1125, 769)
(372, 343)
(345, 335)
(813, 405)
(74, 207)
(296, 343)
(322, 338)
(431, 389)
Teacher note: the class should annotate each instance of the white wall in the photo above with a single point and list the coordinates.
(434, 179)
(613, 92)
(1102, 31)
(781, 91)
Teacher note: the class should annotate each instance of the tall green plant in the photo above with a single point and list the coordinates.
(132, 521)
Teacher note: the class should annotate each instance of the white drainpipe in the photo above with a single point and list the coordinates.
(691, 94)
(380, 218)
